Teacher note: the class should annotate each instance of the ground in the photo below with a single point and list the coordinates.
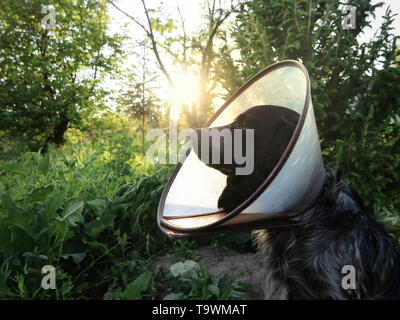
(227, 261)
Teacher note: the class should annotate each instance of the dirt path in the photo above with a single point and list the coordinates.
(227, 261)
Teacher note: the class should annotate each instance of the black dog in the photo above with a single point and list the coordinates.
(273, 127)
(306, 260)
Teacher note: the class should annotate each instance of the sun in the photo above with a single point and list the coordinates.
(185, 89)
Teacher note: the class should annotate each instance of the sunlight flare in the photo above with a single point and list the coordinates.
(185, 90)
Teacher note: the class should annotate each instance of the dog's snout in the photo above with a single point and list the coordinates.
(207, 141)
(215, 147)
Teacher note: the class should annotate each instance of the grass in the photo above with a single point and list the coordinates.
(89, 210)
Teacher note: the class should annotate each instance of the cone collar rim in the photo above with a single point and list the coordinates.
(169, 228)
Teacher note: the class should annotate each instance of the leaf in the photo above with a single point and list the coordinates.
(214, 289)
(54, 204)
(76, 257)
(15, 241)
(314, 83)
(98, 246)
(237, 295)
(8, 204)
(371, 112)
(73, 212)
(4, 276)
(309, 65)
(184, 268)
(94, 228)
(97, 205)
(45, 164)
(174, 296)
(19, 168)
(135, 288)
(40, 194)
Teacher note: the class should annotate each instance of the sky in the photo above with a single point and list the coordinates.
(377, 21)
(190, 10)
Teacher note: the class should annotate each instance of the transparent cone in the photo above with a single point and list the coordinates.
(189, 203)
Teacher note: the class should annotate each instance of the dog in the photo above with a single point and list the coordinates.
(306, 261)
(273, 126)
(310, 256)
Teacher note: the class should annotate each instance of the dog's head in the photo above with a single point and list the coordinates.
(271, 127)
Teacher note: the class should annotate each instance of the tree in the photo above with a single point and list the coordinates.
(186, 50)
(139, 99)
(51, 62)
(353, 86)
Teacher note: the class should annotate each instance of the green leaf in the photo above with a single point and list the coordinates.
(76, 257)
(45, 164)
(19, 168)
(97, 205)
(55, 203)
(184, 269)
(73, 212)
(237, 295)
(8, 204)
(296, 44)
(98, 246)
(371, 112)
(15, 241)
(40, 194)
(135, 288)
(174, 296)
(214, 289)
(94, 228)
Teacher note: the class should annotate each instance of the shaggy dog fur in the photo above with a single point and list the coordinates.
(306, 261)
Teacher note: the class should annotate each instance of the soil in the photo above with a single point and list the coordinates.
(226, 261)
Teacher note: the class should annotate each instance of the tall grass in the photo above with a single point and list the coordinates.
(85, 209)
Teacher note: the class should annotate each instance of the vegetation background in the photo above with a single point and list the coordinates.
(77, 98)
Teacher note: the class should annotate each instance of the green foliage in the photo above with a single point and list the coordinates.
(135, 207)
(354, 85)
(139, 100)
(85, 209)
(190, 280)
(391, 221)
(183, 250)
(238, 240)
(89, 209)
(49, 76)
(136, 287)
(369, 152)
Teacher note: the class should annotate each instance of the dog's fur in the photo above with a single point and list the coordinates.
(306, 261)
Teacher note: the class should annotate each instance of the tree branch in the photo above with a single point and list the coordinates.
(130, 17)
(184, 34)
(154, 45)
(150, 34)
